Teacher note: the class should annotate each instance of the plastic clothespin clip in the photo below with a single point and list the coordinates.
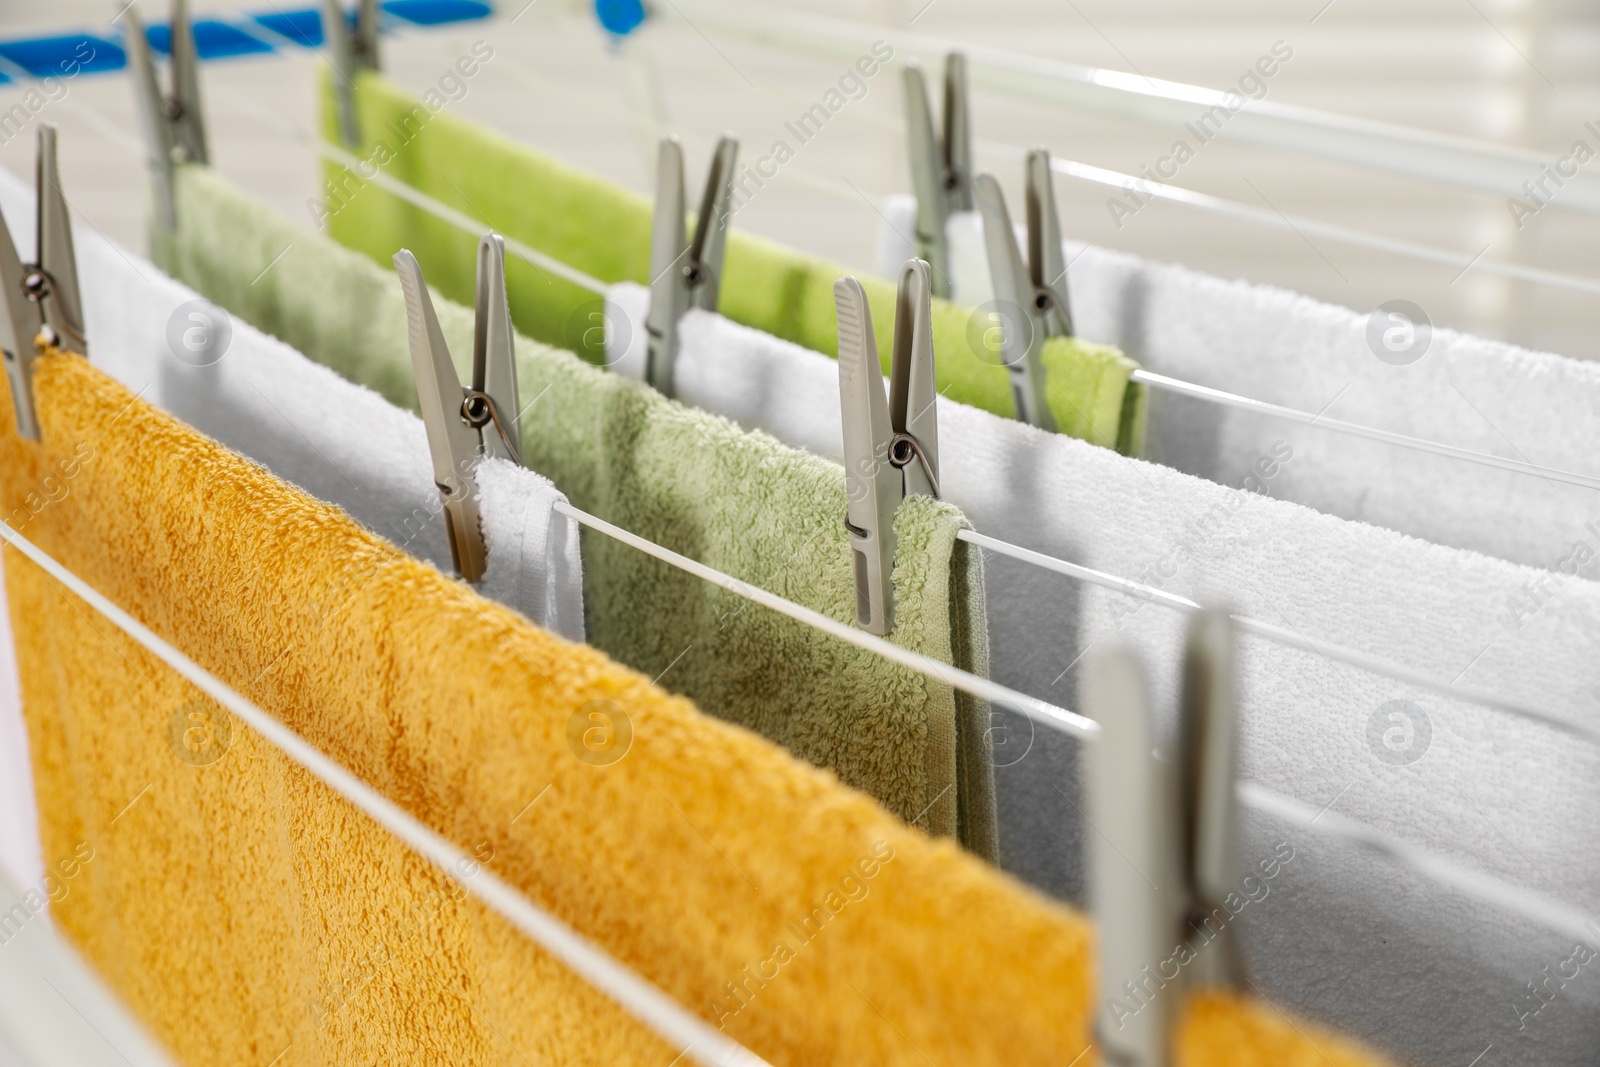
(352, 49)
(1031, 295)
(1165, 857)
(685, 274)
(174, 125)
(42, 306)
(891, 447)
(465, 426)
(941, 166)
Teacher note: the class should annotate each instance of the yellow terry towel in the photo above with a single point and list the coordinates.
(253, 918)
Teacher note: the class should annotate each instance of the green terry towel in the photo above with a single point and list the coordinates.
(604, 231)
(740, 502)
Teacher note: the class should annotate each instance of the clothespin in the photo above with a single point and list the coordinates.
(174, 125)
(685, 274)
(1165, 856)
(42, 307)
(891, 448)
(465, 425)
(1032, 295)
(941, 166)
(351, 50)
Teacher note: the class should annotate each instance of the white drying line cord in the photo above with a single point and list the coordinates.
(1283, 636)
(1159, 381)
(1038, 710)
(1302, 224)
(444, 212)
(635, 995)
(678, 1026)
(1277, 411)
(1438, 158)
(970, 683)
(1175, 194)
(1555, 915)
(416, 197)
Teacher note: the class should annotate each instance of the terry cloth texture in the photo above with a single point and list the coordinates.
(1456, 778)
(334, 439)
(1284, 348)
(696, 484)
(604, 230)
(245, 912)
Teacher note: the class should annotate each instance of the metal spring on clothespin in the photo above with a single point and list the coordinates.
(1031, 294)
(465, 425)
(891, 446)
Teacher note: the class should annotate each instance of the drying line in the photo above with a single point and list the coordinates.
(1284, 636)
(635, 995)
(417, 198)
(1158, 381)
(674, 1023)
(1536, 907)
(1205, 202)
(1038, 710)
(1383, 147)
(1355, 429)
(1302, 224)
(1176, 194)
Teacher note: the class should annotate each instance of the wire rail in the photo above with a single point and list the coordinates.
(1038, 710)
(680, 1027)
(677, 1024)
(1425, 155)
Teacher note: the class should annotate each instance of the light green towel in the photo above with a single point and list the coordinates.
(604, 231)
(741, 502)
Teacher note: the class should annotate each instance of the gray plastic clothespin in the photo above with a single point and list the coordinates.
(891, 447)
(351, 51)
(1031, 294)
(685, 274)
(42, 306)
(1165, 855)
(174, 125)
(941, 166)
(465, 425)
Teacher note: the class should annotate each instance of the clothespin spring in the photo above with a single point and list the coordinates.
(478, 410)
(903, 448)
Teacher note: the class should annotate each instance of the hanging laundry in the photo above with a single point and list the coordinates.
(1422, 766)
(696, 484)
(793, 913)
(1386, 368)
(604, 230)
(336, 440)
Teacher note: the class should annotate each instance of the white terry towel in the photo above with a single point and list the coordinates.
(1343, 935)
(337, 440)
(1278, 346)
